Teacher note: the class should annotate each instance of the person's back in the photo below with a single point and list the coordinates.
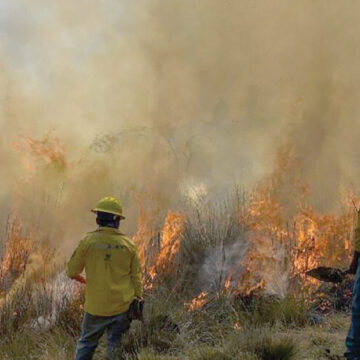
(113, 279)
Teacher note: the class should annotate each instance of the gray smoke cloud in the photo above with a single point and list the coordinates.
(154, 96)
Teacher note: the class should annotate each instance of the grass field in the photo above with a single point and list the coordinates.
(202, 335)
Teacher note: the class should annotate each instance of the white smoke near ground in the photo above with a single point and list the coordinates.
(220, 263)
(60, 291)
(277, 277)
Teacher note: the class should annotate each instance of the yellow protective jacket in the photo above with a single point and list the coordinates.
(113, 272)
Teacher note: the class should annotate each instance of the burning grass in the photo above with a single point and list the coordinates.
(224, 280)
(49, 149)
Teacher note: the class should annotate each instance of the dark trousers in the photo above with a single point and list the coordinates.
(93, 328)
(353, 338)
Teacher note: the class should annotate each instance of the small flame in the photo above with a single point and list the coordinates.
(237, 326)
(152, 272)
(227, 285)
(149, 283)
(259, 286)
(17, 251)
(199, 301)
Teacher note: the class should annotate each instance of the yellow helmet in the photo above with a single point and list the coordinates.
(110, 205)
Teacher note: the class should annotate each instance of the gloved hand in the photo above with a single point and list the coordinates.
(79, 279)
(354, 264)
(136, 310)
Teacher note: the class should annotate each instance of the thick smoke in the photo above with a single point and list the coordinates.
(154, 96)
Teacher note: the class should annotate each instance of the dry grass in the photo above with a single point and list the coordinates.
(310, 343)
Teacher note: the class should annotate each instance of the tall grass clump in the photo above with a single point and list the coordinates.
(214, 239)
(271, 310)
(263, 342)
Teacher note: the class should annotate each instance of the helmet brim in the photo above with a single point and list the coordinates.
(108, 212)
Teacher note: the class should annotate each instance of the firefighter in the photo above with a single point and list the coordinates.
(113, 280)
(353, 338)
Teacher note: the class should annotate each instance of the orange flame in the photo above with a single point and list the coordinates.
(145, 231)
(17, 250)
(227, 285)
(50, 150)
(237, 326)
(306, 240)
(171, 239)
(199, 301)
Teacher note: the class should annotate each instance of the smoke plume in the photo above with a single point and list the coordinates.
(163, 97)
